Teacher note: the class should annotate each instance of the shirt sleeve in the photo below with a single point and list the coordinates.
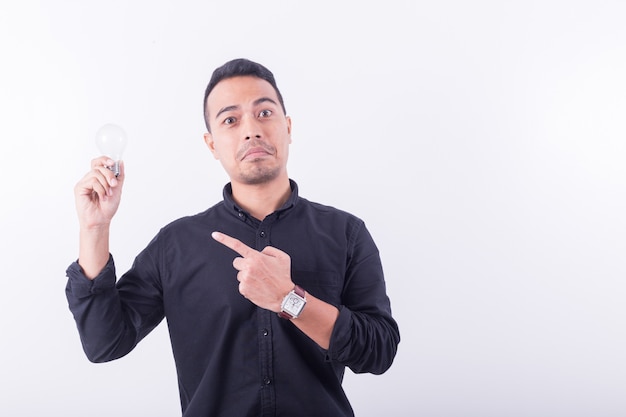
(366, 336)
(113, 317)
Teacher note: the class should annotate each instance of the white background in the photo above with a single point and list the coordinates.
(483, 143)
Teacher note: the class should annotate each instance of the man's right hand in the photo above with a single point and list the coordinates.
(98, 194)
(97, 197)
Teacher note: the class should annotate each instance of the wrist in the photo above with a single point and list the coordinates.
(93, 227)
(94, 236)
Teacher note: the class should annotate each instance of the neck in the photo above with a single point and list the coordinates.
(261, 200)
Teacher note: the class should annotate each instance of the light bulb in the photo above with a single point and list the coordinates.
(111, 140)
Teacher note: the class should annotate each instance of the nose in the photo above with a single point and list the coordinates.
(251, 129)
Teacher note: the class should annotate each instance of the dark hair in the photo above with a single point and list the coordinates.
(235, 68)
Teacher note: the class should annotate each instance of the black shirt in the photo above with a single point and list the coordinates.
(233, 358)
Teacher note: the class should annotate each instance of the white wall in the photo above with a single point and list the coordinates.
(483, 143)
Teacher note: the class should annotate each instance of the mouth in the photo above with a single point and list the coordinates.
(255, 152)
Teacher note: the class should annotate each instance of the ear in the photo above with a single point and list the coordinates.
(208, 139)
(289, 127)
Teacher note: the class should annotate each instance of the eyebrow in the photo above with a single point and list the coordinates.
(255, 103)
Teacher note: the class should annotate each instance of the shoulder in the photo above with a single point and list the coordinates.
(325, 209)
(196, 221)
(331, 216)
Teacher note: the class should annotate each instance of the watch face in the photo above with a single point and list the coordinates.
(293, 305)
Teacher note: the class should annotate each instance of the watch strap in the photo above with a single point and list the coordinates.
(284, 315)
(299, 290)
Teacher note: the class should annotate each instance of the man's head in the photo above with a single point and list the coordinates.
(235, 68)
(249, 131)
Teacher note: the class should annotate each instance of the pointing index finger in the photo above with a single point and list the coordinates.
(235, 244)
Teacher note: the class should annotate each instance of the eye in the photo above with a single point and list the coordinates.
(229, 120)
(265, 113)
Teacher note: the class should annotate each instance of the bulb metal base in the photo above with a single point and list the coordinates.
(115, 168)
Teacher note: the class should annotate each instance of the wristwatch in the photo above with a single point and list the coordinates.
(293, 304)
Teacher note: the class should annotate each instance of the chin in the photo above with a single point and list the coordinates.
(259, 176)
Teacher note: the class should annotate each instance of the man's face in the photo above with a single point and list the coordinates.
(250, 135)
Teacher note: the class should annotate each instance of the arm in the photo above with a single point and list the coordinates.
(110, 320)
(265, 279)
(113, 317)
(361, 333)
(97, 197)
(366, 336)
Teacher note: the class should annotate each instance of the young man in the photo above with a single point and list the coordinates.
(268, 296)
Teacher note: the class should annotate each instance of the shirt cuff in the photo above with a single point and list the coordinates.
(340, 337)
(80, 286)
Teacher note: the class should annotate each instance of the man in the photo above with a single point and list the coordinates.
(268, 296)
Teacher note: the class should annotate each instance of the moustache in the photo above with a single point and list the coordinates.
(255, 144)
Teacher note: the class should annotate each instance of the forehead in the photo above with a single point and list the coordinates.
(238, 91)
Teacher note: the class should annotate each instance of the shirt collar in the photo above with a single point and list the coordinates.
(230, 203)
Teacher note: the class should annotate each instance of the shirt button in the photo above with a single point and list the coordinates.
(262, 234)
(267, 381)
(241, 215)
(265, 332)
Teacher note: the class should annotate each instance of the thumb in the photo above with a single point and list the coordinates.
(122, 172)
